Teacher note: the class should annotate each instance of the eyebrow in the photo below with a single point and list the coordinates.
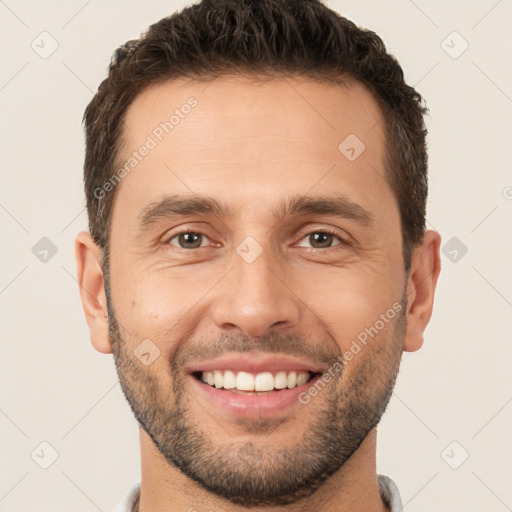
(172, 206)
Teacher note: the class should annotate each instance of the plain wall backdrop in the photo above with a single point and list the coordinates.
(445, 438)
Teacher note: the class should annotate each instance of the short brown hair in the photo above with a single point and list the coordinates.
(273, 38)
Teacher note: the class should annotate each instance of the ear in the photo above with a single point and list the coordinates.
(92, 290)
(421, 285)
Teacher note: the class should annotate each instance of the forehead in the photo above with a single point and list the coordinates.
(239, 139)
(244, 106)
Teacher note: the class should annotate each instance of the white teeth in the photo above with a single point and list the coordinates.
(264, 382)
(302, 378)
(229, 380)
(261, 382)
(218, 379)
(245, 381)
(280, 380)
(291, 381)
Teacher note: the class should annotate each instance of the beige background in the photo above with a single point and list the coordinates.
(55, 387)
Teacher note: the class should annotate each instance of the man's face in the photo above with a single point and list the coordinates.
(260, 289)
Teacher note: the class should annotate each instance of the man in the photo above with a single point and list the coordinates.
(256, 182)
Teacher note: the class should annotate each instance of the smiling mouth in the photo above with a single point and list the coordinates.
(254, 383)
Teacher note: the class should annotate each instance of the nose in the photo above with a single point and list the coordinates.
(254, 298)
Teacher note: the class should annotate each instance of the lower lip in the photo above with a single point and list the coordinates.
(245, 406)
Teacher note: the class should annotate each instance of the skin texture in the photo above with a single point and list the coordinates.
(251, 146)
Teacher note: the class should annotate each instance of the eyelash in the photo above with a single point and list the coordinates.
(325, 231)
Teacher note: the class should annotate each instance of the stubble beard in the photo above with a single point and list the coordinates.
(259, 473)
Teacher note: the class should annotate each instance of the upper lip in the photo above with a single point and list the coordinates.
(255, 363)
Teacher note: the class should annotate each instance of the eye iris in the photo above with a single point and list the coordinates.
(190, 240)
(322, 238)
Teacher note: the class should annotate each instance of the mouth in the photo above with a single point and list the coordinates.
(252, 385)
(261, 383)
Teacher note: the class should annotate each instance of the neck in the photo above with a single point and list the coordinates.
(353, 488)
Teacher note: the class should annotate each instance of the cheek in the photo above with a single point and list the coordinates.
(352, 304)
(160, 304)
(372, 355)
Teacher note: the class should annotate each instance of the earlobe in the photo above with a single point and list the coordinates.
(425, 269)
(92, 290)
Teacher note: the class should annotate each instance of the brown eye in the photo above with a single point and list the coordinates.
(188, 240)
(321, 239)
